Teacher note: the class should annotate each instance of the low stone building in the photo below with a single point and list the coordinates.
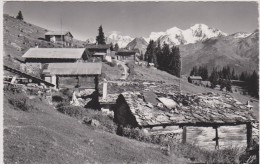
(163, 114)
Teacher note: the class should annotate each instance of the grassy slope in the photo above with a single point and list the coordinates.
(47, 136)
(19, 36)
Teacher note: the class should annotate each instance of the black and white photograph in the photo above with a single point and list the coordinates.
(130, 82)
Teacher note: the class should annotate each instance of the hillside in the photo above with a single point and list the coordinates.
(19, 36)
(240, 53)
(43, 135)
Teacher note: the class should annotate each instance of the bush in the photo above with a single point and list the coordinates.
(138, 134)
(73, 111)
(20, 101)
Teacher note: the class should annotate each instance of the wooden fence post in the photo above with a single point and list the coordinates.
(249, 134)
(184, 134)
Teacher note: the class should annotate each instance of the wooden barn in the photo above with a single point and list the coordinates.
(195, 80)
(40, 56)
(124, 54)
(65, 38)
(79, 71)
(98, 50)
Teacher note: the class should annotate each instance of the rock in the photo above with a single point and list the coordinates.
(169, 103)
(92, 122)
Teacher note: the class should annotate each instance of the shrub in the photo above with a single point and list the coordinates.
(73, 111)
(20, 101)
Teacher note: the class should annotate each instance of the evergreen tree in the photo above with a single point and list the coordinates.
(101, 37)
(233, 75)
(19, 16)
(253, 85)
(165, 56)
(175, 61)
(214, 78)
(228, 85)
(158, 52)
(112, 47)
(150, 53)
(116, 47)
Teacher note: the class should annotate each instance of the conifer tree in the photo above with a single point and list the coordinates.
(19, 16)
(166, 56)
(214, 78)
(101, 37)
(112, 47)
(116, 47)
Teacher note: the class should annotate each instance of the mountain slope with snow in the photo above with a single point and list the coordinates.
(240, 53)
(121, 40)
(138, 44)
(194, 34)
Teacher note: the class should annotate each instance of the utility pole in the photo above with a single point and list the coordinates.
(180, 74)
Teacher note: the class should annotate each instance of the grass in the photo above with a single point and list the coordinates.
(48, 136)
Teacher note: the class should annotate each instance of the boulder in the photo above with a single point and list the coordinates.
(92, 122)
(169, 103)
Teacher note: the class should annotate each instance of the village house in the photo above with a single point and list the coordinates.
(195, 80)
(40, 56)
(98, 51)
(65, 38)
(126, 55)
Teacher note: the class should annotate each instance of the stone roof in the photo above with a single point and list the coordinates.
(54, 53)
(195, 109)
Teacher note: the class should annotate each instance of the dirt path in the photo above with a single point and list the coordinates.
(125, 74)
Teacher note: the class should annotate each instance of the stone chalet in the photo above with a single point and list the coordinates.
(65, 37)
(195, 80)
(152, 109)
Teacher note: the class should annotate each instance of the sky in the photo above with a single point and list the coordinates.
(136, 19)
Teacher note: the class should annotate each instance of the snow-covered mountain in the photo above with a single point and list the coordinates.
(241, 35)
(138, 44)
(115, 37)
(176, 36)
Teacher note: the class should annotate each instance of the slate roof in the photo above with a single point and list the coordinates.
(99, 46)
(75, 68)
(58, 33)
(194, 109)
(55, 53)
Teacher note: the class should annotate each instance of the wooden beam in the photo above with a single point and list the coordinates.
(249, 134)
(184, 134)
(216, 138)
(96, 83)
